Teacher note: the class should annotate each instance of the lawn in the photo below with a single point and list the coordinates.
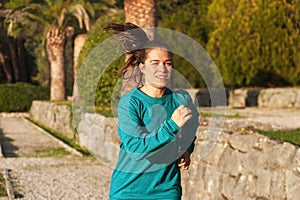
(292, 136)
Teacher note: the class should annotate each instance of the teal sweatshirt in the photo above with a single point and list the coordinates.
(151, 143)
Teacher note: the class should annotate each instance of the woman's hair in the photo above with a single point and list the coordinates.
(136, 44)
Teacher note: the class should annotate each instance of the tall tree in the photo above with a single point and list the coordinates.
(55, 16)
(256, 43)
(14, 40)
(142, 13)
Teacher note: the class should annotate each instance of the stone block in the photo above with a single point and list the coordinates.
(292, 185)
(212, 181)
(214, 156)
(277, 155)
(230, 162)
(277, 97)
(252, 161)
(242, 142)
(297, 101)
(237, 98)
(277, 187)
(263, 183)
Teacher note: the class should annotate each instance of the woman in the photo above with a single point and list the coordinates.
(156, 125)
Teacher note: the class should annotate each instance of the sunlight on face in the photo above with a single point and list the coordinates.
(157, 68)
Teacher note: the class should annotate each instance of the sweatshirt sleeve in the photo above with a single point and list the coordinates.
(189, 130)
(134, 136)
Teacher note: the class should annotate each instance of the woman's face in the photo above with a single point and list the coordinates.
(157, 68)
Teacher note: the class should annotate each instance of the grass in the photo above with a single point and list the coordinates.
(50, 152)
(61, 137)
(209, 114)
(292, 136)
(2, 186)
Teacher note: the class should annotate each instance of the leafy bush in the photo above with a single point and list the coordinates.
(188, 17)
(256, 43)
(96, 81)
(18, 97)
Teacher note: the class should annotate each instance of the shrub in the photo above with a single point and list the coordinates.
(97, 81)
(18, 97)
(256, 43)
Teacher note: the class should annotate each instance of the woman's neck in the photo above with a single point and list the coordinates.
(153, 92)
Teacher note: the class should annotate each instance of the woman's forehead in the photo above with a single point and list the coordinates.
(158, 53)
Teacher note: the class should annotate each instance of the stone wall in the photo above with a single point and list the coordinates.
(244, 166)
(54, 116)
(240, 166)
(100, 135)
(244, 97)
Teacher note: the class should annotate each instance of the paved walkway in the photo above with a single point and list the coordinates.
(40, 169)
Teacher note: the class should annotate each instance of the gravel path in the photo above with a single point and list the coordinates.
(40, 169)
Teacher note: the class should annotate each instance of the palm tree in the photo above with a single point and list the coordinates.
(14, 42)
(143, 13)
(54, 16)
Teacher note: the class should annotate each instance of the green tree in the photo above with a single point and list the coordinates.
(256, 43)
(105, 76)
(188, 17)
(14, 41)
(54, 16)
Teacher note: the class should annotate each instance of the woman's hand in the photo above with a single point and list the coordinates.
(184, 161)
(181, 115)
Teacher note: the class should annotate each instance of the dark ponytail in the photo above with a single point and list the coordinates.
(134, 39)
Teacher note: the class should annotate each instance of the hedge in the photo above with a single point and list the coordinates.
(19, 96)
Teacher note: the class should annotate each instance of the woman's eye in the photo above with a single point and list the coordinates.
(155, 64)
(169, 64)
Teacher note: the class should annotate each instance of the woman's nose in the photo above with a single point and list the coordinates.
(162, 67)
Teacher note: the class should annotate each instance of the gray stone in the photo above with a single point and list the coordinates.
(263, 183)
(230, 162)
(242, 142)
(277, 97)
(292, 185)
(214, 156)
(237, 98)
(278, 185)
(212, 180)
(252, 161)
(297, 101)
(278, 155)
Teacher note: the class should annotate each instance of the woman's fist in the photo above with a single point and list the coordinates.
(181, 115)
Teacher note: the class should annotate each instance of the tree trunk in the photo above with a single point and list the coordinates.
(21, 60)
(78, 44)
(55, 51)
(143, 14)
(68, 54)
(9, 78)
(14, 59)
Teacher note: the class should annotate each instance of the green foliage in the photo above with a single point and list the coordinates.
(98, 81)
(292, 136)
(188, 17)
(256, 43)
(18, 97)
